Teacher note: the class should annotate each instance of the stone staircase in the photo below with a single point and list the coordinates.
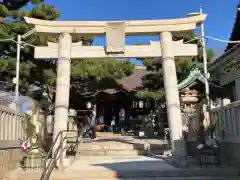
(109, 144)
(113, 157)
(112, 147)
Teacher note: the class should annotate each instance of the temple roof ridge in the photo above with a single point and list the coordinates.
(232, 49)
(194, 74)
(197, 75)
(140, 67)
(235, 30)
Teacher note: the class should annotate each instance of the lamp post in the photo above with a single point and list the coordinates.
(17, 70)
(205, 60)
(204, 49)
(16, 79)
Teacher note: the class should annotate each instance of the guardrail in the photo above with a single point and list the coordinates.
(56, 153)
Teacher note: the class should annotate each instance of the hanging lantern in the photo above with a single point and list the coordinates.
(88, 105)
(141, 104)
(163, 105)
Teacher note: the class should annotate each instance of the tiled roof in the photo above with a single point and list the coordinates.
(134, 81)
(235, 32)
(197, 79)
(231, 49)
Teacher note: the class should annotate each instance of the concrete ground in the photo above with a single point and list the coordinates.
(124, 166)
(118, 163)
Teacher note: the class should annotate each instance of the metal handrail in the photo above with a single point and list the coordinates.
(53, 155)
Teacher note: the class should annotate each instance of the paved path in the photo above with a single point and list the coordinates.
(117, 163)
(129, 167)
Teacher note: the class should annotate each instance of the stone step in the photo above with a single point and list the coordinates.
(163, 178)
(118, 150)
(108, 146)
(105, 158)
(98, 148)
(108, 134)
(175, 174)
(112, 152)
(114, 145)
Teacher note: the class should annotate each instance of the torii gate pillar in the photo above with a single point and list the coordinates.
(62, 85)
(172, 94)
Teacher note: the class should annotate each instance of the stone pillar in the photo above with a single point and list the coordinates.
(62, 85)
(172, 94)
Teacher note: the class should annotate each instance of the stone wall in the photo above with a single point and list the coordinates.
(229, 152)
(10, 157)
(227, 131)
(12, 130)
(11, 125)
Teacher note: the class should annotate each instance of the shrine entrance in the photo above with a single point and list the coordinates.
(116, 33)
(109, 104)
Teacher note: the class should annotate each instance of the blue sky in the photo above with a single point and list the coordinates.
(219, 23)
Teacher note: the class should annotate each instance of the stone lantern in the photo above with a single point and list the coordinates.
(189, 98)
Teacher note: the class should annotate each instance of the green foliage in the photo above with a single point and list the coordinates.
(31, 71)
(43, 72)
(102, 72)
(46, 12)
(102, 68)
(150, 94)
(183, 66)
(4, 11)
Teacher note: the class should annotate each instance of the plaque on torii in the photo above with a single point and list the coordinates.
(115, 36)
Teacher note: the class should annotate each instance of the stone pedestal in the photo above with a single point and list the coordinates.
(33, 162)
(172, 94)
(62, 86)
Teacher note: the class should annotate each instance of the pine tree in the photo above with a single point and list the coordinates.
(14, 24)
(43, 72)
(153, 84)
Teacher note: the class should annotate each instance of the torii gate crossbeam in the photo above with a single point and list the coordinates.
(133, 51)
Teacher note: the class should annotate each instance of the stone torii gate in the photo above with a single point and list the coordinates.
(115, 33)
